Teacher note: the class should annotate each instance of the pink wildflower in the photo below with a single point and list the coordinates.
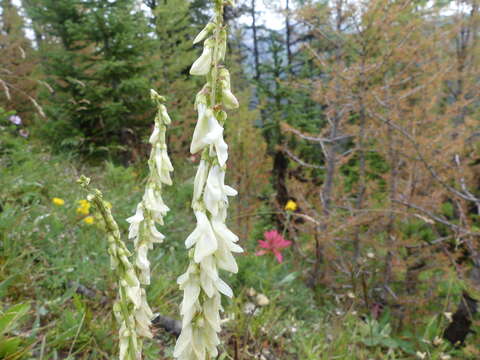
(274, 243)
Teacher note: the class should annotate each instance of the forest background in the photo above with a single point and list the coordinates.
(357, 140)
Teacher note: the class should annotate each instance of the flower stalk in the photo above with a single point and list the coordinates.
(129, 306)
(152, 209)
(211, 244)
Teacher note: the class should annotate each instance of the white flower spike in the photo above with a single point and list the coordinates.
(150, 211)
(211, 244)
(130, 308)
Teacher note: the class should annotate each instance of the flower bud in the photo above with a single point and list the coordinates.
(165, 117)
(229, 100)
(156, 96)
(207, 30)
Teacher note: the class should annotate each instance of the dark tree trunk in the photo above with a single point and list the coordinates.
(280, 169)
(288, 36)
(255, 41)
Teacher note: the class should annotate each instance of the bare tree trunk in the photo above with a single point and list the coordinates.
(465, 47)
(330, 151)
(393, 155)
(362, 165)
(288, 36)
(280, 169)
(255, 41)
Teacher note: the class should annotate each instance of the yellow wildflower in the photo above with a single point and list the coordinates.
(89, 220)
(58, 201)
(83, 207)
(291, 205)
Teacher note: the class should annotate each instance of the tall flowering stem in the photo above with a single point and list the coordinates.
(129, 307)
(152, 209)
(211, 244)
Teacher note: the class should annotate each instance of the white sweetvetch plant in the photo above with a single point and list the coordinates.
(211, 244)
(151, 210)
(130, 308)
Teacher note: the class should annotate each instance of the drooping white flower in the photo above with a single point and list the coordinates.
(163, 164)
(143, 316)
(229, 100)
(202, 237)
(164, 115)
(209, 132)
(216, 191)
(200, 179)
(134, 222)
(153, 201)
(203, 64)
(155, 235)
(226, 246)
(183, 343)
(143, 264)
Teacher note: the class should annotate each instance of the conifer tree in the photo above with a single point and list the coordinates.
(98, 61)
(17, 62)
(173, 23)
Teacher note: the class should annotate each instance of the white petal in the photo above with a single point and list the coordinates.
(156, 236)
(225, 259)
(215, 131)
(229, 100)
(163, 164)
(198, 343)
(207, 284)
(203, 64)
(155, 135)
(183, 341)
(223, 231)
(165, 117)
(208, 275)
(167, 164)
(142, 260)
(221, 149)
(201, 130)
(190, 295)
(207, 30)
(213, 190)
(143, 317)
(134, 294)
(211, 311)
(200, 179)
(207, 242)
(154, 203)
(224, 288)
(193, 238)
(230, 191)
(134, 222)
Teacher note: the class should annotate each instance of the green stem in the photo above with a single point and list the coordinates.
(218, 30)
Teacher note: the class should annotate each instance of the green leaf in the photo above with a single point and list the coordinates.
(10, 318)
(8, 347)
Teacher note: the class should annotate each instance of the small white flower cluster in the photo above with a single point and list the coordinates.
(130, 308)
(151, 210)
(211, 244)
